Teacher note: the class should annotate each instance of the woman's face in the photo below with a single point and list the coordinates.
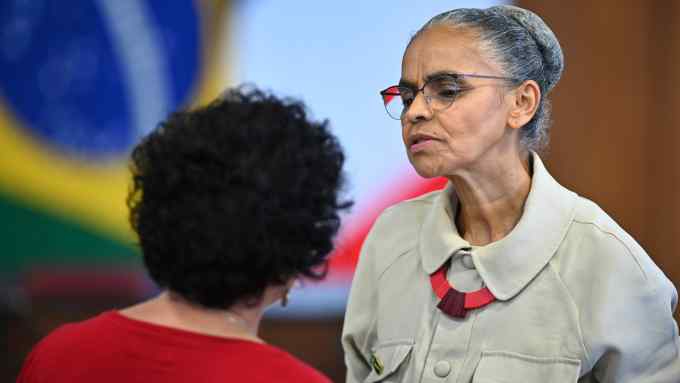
(470, 132)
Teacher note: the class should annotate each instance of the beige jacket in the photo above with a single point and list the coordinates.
(578, 299)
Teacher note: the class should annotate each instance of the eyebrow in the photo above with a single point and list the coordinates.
(430, 77)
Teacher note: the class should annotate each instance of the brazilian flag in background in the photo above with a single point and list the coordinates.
(80, 83)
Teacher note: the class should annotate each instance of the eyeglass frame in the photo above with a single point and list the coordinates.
(433, 77)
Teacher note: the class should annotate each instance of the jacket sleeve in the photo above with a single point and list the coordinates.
(640, 344)
(358, 331)
(626, 313)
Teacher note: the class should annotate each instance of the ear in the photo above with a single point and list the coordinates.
(524, 103)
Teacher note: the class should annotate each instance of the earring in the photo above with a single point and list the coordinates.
(284, 298)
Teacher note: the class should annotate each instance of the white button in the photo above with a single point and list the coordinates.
(467, 261)
(442, 368)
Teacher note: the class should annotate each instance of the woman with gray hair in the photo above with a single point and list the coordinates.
(505, 275)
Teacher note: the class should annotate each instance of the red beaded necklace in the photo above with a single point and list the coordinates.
(454, 302)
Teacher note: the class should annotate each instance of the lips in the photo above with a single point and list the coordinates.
(420, 141)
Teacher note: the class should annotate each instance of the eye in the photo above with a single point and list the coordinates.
(445, 90)
(448, 92)
(406, 96)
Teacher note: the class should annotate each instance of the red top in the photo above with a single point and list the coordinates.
(112, 348)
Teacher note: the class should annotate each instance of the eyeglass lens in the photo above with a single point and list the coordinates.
(439, 94)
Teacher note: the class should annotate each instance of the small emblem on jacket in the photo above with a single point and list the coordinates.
(377, 364)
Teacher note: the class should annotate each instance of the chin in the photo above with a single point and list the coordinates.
(426, 171)
(434, 169)
(424, 168)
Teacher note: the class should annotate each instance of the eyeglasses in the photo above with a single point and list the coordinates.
(440, 92)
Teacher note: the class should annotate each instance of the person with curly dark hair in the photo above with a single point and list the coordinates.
(232, 202)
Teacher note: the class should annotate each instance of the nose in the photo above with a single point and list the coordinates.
(419, 109)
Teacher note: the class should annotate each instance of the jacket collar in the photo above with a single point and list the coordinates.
(507, 265)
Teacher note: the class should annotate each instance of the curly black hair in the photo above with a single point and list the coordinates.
(238, 195)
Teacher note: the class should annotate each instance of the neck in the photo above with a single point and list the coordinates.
(491, 198)
(171, 310)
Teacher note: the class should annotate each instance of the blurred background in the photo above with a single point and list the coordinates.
(81, 81)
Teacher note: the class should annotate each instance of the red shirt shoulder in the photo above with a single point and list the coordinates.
(277, 365)
(113, 348)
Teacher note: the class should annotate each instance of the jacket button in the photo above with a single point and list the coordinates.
(467, 262)
(442, 368)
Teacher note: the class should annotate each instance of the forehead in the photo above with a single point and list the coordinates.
(445, 49)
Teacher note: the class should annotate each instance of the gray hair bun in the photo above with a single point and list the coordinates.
(545, 39)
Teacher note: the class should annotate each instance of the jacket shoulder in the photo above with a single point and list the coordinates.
(599, 248)
(397, 229)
